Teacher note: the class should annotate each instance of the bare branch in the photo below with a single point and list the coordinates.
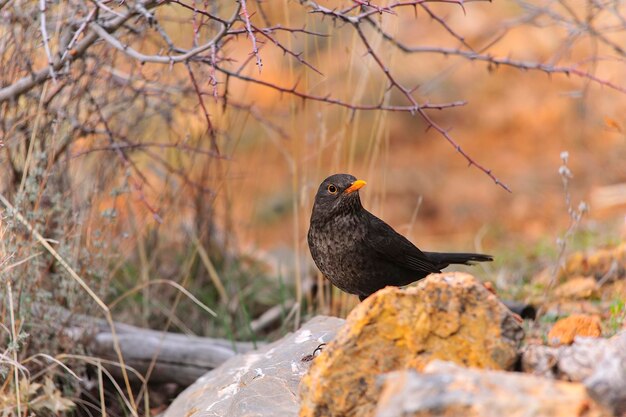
(331, 100)
(522, 65)
(429, 121)
(25, 84)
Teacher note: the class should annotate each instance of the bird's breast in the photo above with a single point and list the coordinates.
(336, 247)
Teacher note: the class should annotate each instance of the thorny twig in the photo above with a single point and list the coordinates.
(246, 19)
(210, 129)
(420, 110)
(123, 27)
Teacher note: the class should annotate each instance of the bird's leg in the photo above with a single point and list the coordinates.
(319, 349)
(316, 352)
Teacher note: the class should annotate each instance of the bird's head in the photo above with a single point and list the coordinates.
(338, 193)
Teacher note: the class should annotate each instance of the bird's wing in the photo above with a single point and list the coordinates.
(393, 247)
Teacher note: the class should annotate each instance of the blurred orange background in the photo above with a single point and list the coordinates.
(515, 123)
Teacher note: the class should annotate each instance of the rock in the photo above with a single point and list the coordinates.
(445, 389)
(607, 383)
(577, 288)
(260, 383)
(599, 363)
(571, 363)
(448, 316)
(540, 360)
(560, 308)
(608, 263)
(565, 330)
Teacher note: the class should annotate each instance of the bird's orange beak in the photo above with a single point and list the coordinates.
(355, 186)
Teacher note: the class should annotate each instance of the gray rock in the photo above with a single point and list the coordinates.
(607, 383)
(447, 390)
(599, 363)
(260, 383)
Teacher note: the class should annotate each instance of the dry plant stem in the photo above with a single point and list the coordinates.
(31, 144)
(51, 359)
(206, 260)
(103, 409)
(16, 374)
(151, 366)
(82, 283)
(174, 284)
(18, 263)
(120, 391)
(575, 216)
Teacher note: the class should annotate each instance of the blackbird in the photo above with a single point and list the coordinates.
(358, 252)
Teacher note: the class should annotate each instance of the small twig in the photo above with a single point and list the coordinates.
(379, 9)
(297, 56)
(210, 129)
(44, 35)
(246, 19)
(201, 12)
(80, 30)
(331, 100)
(106, 8)
(213, 76)
(445, 25)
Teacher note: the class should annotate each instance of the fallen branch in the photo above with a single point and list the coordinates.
(178, 358)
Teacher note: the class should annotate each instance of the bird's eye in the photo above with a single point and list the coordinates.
(332, 189)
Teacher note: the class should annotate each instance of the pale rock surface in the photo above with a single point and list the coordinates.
(445, 389)
(600, 364)
(260, 383)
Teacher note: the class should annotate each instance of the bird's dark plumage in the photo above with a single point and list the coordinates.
(358, 252)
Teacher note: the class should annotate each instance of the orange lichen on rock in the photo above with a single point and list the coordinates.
(449, 316)
(565, 330)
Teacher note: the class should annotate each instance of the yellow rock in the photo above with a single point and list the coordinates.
(447, 316)
(565, 330)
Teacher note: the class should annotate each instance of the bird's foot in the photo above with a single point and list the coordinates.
(315, 353)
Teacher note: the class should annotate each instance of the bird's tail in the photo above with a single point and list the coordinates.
(444, 259)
